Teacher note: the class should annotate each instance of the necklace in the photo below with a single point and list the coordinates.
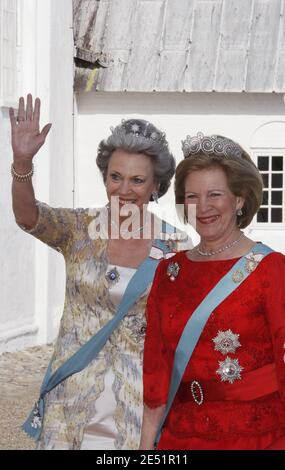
(220, 250)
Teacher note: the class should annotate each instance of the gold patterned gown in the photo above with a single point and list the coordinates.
(109, 389)
(101, 431)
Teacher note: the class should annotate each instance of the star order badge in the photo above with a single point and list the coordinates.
(226, 342)
(229, 370)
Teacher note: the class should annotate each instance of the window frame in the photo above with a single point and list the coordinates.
(264, 152)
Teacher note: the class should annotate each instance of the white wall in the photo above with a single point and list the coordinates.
(61, 171)
(18, 325)
(16, 286)
(234, 115)
(31, 276)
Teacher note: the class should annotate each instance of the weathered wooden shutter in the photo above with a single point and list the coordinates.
(8, 52)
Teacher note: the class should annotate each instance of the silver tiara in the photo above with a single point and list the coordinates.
(210, 145)
(141, 128)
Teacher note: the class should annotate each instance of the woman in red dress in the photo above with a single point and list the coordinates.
(232, 392)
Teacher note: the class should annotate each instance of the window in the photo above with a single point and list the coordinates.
(272, 167)
(8, 52)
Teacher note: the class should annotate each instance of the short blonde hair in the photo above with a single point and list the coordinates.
(244, 180)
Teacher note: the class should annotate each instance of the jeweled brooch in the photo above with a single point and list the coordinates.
(173, 270)
(229, 370)
(139, 329)
(197, 392)
(226, 342)
(252, 261)
(135, 128)
(237, 276)
(36, 421)
(112, 276)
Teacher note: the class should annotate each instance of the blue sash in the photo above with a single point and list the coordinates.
(89, 351)
(195, 325)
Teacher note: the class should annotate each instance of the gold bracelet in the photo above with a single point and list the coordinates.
(22, 178)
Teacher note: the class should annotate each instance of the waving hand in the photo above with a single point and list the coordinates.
(26, 136)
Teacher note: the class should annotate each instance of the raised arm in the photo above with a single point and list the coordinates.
(26, 142)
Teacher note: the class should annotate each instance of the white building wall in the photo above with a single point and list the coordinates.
(18, 325)
(16, 286)
(31, 276)
(61, 171)
(237, 116)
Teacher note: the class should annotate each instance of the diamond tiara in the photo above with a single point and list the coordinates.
(141, 128)
(210, 145)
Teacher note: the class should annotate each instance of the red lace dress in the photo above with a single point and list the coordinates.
(256, 312)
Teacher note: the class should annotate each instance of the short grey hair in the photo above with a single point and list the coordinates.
(139, 136)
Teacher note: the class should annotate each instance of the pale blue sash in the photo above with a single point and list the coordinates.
(195, 325)
(89, 351)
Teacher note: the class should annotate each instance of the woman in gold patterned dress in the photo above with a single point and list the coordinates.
(100, 406)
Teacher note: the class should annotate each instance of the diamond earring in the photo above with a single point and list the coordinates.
(155, 196)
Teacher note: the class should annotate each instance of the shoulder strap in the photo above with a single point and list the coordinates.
(195, 325)
(89, 351)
